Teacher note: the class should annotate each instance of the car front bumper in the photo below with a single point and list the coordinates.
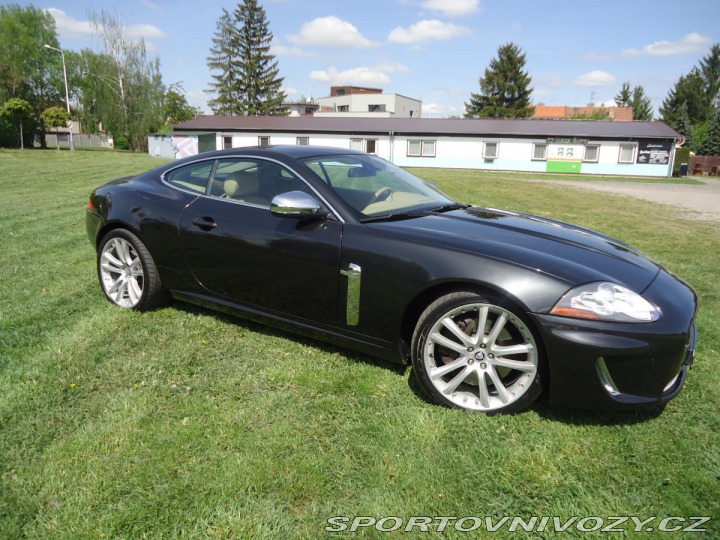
(602, 365)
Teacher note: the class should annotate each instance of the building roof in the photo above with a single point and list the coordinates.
(433, 127)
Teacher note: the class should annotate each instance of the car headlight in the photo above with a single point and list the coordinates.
(606, 302)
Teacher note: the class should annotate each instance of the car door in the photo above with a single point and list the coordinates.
(238, 249)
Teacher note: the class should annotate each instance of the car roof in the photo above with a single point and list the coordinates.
(280, 151)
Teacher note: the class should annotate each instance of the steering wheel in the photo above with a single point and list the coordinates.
(381, 194)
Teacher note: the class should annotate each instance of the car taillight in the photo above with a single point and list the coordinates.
(91, 206)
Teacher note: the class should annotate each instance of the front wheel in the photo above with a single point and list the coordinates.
(470, 352)
(127, 273)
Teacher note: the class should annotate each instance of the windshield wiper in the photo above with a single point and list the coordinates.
(393, 217)
(448, 207)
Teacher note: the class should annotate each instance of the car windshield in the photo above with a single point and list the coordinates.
(376, 187)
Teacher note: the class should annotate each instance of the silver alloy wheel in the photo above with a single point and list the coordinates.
(121, 273)
(480, 356)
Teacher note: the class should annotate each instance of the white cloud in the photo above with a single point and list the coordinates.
(424, 31)
(598, 57)
(552, 80)
(692, 43)
(150, 5)
(376, 75)
(290, 91)
(68, 27)
(144, 31)
(71, 28)
(594, 79)
(361, 76)
(453, 8)
(279, 49)
(331, 32)
(438, 110)
(392, 68)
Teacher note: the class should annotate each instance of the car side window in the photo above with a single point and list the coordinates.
(192, 177)
(254, 181)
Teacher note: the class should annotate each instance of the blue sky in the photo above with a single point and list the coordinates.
(434, 50)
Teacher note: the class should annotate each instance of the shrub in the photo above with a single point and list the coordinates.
(682, 155)
(121, 143)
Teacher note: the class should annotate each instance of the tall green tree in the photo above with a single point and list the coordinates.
(176, 107)
(505, 89)
(688, 89)
(636, 98)
(684, 127)
(27, 69)
(223, 61)
(711, 145)
(710, 71)
(128, 90)
(641, 104)
(246, 74)
(624, 96)
(16, 109)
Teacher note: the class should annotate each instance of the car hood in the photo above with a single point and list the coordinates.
(568, 252)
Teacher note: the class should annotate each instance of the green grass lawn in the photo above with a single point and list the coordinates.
(185, 423)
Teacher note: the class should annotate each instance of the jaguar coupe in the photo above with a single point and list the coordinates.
(492, 308)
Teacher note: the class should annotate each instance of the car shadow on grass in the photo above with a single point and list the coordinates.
(577, 417)
(272, 331)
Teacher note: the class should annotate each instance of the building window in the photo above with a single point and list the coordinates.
(539, 152)
(627, 153)
(371, 146)
(227, 142)
(263, 141)
(419, 148)
(303, 141)
(376, 108)
(592, 153)
(356, 144)
(491, 150)
(343, 108)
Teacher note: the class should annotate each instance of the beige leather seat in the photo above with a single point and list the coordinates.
(243, 186)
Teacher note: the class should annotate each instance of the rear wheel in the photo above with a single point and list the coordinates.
(127, 273)
(471, 352)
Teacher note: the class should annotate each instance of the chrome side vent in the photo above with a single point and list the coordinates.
(354, 278)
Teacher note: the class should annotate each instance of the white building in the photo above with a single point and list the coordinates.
(572, 146)
(357, 101)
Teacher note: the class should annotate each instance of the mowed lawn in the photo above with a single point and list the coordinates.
(182, 423)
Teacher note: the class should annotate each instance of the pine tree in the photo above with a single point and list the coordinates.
(624, 96)
(711, 144)
(683, 125)
(637, 99)
(504, 89)
(689, 89)
(641, 104)
(223, 59)
(248, 82)
(710, 70)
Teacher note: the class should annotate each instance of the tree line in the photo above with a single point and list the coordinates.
(120, 90)
(692, 106)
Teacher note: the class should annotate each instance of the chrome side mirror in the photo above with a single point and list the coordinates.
(296, 204)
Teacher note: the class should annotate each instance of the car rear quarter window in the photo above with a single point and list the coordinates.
(254, 181)
(193, 177)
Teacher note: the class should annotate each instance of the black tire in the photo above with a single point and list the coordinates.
(462, 368)
(127, 273)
